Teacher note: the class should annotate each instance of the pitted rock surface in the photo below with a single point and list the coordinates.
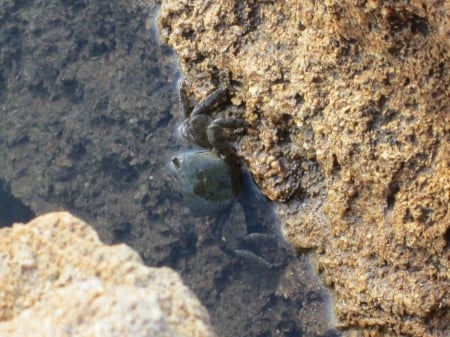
(348, 107)
(57, 276)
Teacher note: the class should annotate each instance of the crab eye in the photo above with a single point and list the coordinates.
(176, 162)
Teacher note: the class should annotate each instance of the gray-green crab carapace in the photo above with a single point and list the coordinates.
(209, 174)
(205, 179)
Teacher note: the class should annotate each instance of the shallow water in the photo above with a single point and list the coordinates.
(90, 110)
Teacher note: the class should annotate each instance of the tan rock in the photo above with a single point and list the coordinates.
(348, 105)
(58, 279)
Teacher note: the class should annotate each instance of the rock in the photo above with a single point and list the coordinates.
(347, 104)
(58, 279)
(89, 115)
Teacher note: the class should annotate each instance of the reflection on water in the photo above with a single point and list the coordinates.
(88, 95)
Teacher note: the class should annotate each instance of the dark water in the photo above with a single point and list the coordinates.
(12, 209)
(89, 105)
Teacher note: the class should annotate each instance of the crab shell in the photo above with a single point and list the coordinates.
(205, 179)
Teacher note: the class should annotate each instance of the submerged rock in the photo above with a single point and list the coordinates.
(347, 105)
(58, 279)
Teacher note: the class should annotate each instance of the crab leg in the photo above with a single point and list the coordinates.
(209, 101)
(217, 136)
(184, 99)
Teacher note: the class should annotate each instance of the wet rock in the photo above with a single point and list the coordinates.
(57, 276)
(347, 103)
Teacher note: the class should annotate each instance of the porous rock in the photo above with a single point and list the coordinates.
(58, 279)
(348, 110)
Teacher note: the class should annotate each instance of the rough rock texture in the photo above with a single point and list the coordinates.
(87, 99)
(58, 279)
(348, 106)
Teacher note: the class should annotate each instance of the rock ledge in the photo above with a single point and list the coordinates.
(58, 279)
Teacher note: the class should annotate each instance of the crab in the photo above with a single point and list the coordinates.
(210, 175)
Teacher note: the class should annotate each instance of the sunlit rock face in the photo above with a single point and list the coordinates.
(57, 276)
(347, 103)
